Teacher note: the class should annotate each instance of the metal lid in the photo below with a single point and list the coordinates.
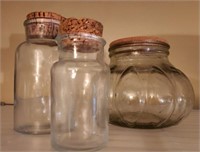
(139, 40)
(83, 25)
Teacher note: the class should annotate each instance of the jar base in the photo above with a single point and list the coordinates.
(75, 149)
(142, 121)
(142, 126)
(45, 129)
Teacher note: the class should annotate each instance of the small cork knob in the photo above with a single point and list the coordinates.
(83, 25)
(49, 15)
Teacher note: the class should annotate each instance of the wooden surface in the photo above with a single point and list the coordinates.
(182, 137)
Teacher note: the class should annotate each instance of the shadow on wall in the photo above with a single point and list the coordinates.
(7, 67)
(184, 55)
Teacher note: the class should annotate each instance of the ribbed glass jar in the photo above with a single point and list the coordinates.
(147, 91)
(33, 60)
(80, 90)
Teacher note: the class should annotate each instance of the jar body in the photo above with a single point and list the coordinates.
(79, 101)
(33, 62)
(147, 91)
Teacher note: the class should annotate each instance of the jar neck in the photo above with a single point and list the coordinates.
(42, 41)
(83, 56)
(139, 55)
(82, 47)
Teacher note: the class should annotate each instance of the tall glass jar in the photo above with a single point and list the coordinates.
(80, 90)
(33, 62)
(147, 91)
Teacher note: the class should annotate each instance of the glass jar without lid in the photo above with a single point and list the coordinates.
(80, 93)
(147, 91)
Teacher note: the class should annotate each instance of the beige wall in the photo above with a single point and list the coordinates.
(176, 21)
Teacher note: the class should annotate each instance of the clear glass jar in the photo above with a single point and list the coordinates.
(33, 62)
(147, 91)
(80, 91)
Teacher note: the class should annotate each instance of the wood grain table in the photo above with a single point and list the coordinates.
(183, 137)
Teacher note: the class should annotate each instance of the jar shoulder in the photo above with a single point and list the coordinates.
(33, 46)
(80, 64)
(31, 51)
(21, 45)
(165, 69)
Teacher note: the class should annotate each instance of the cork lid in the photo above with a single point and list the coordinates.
(40, 14)
(139, 40)
(42, 24)
(83, 25)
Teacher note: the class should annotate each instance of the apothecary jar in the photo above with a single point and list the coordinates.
(147, 91)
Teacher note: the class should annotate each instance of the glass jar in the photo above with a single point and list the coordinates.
(147, 91)
(33, 62)
(80, 93)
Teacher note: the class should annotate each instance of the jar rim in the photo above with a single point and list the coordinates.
(80, 35)
(41, 21)
(139, 40)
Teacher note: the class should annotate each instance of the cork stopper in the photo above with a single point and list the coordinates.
(49, 15)
(140, 40)
(42, 24)
(83, 25)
